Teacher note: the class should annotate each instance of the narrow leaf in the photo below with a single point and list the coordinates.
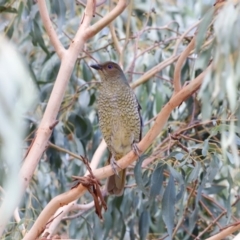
(180, 180)
(156, 181)
(203, 29)
(138, 174)
(193, 219)
(205, 148)
(194, 174)
(168, 204)
(213, 168)
(144, 224)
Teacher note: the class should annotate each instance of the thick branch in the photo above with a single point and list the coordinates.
(50, 29)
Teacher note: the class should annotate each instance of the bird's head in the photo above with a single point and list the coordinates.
(110, 71)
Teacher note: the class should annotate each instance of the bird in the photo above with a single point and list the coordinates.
(120, 120)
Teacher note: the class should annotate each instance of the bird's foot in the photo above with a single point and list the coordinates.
(114, 165)
(136, 150)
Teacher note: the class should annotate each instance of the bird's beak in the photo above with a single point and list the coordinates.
(96, 66)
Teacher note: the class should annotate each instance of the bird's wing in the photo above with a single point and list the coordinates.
(141, 120)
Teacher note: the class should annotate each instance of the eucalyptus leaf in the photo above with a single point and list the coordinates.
(168, 205)
(205, 148)
(178, 177)
(195, 172)
(157, 181)
(138, 175)
(144, 224)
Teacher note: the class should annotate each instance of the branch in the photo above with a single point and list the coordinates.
(19, 221)
(163, 116)
(74, 155)
(84, 5)
(50, 29)
(224, 233)
(91, 31)
(184, 35)
(107, 171)
(153, 71)
(98, 155)
(82, 209)
(179, 64)
(115, 40)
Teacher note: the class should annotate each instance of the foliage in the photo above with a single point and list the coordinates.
(186, 185)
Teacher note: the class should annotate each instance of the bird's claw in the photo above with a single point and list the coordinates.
(114, 166)
(136, 150)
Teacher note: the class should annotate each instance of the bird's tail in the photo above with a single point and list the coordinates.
(115, 184)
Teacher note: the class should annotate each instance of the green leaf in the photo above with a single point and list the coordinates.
(178, 177)
(138, 175)
(20, 11)
(158, 101)
(193, 219)
(157, 181)
(168, 205)
(118, 202)
(144, 224)
(80, 125)
(195, 172)
(215, 189)
(203, 29)
(37, 38)
(213, 168)
(205, 147)
(131, 229)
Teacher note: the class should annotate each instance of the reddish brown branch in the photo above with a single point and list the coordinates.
(179, 64)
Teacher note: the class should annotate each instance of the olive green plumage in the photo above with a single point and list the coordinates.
(119, 118)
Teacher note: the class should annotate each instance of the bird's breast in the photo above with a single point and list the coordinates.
(119, 119)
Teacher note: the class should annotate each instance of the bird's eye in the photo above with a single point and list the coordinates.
(109, 66)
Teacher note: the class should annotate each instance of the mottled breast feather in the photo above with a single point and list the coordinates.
(119, 118)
